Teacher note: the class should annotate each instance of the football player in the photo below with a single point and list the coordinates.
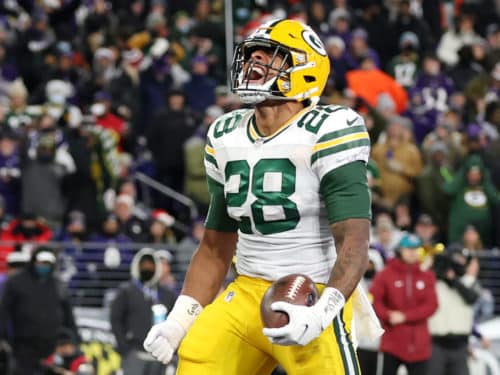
(283, 177)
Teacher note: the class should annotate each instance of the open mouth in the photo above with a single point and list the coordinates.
(255, 74)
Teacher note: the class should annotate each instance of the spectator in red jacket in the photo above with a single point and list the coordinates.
(404, 297)
(26, 228)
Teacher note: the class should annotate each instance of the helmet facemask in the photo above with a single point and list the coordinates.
(245, 70)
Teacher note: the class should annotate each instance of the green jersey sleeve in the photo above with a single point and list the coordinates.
(345, 192)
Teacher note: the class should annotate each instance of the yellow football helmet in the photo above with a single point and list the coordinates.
(302, 73)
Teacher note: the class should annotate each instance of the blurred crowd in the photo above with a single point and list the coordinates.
(93, 92)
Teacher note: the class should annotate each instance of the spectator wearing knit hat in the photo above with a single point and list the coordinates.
(160, 228)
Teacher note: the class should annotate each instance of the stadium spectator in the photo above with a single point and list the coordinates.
(75, 229)
(429, 97)
(167, 278)
(430, 192)
(139, 304)
(340, 23)
(472, 200)
(130, 225)
(10, 172)
(26, 228)
(156, 80)
(426, 230)
(200, 82)
(124, 88)
(447, 135)
(406, 20)
(455, 38)
(36, 307)
(101, 109)
(335, 47)
(16, 261)
(189, 244)
(456, 297)
(194, 155)
(44, 165)
(67, 358)
(358, 50)
(493, 46)
(404, 297)
(380, 83)
(169, 130)
(386, 236)
(18, 115)
(160, 228)
(403, 214)
(466, 68)
(404, 67)
(471, 239)
(399, 162)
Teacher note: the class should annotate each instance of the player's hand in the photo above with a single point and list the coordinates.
(163, 339)
(306, 322)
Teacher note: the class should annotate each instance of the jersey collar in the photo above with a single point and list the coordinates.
(254, 134)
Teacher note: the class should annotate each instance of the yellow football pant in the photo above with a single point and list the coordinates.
(227, 339)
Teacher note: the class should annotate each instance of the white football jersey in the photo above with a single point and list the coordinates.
(271, 186)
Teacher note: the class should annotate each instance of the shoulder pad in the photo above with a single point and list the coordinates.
(226, 123)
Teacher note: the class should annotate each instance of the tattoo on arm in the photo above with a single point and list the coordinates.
(351, 241)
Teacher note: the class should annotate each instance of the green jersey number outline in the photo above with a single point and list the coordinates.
(242, 169)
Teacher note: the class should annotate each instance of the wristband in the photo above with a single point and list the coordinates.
(185, 311)
(333, 301)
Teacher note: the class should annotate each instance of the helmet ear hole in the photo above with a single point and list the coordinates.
(309, 79)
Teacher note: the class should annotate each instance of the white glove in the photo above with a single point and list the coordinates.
(306, 322)
(164, 338)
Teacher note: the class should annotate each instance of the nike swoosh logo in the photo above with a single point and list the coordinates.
(350, 122)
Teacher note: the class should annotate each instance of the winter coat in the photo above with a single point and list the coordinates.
(406, 288)
(35, 309)
(131, 310)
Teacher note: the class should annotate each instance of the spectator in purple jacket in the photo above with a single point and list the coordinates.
(10, 172)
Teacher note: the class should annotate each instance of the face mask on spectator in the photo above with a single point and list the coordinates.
(29, 232)
(146, 275)
(43, 270)
(57, 99)
(98, 109)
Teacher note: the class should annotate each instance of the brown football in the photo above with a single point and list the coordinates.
(296, 289)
